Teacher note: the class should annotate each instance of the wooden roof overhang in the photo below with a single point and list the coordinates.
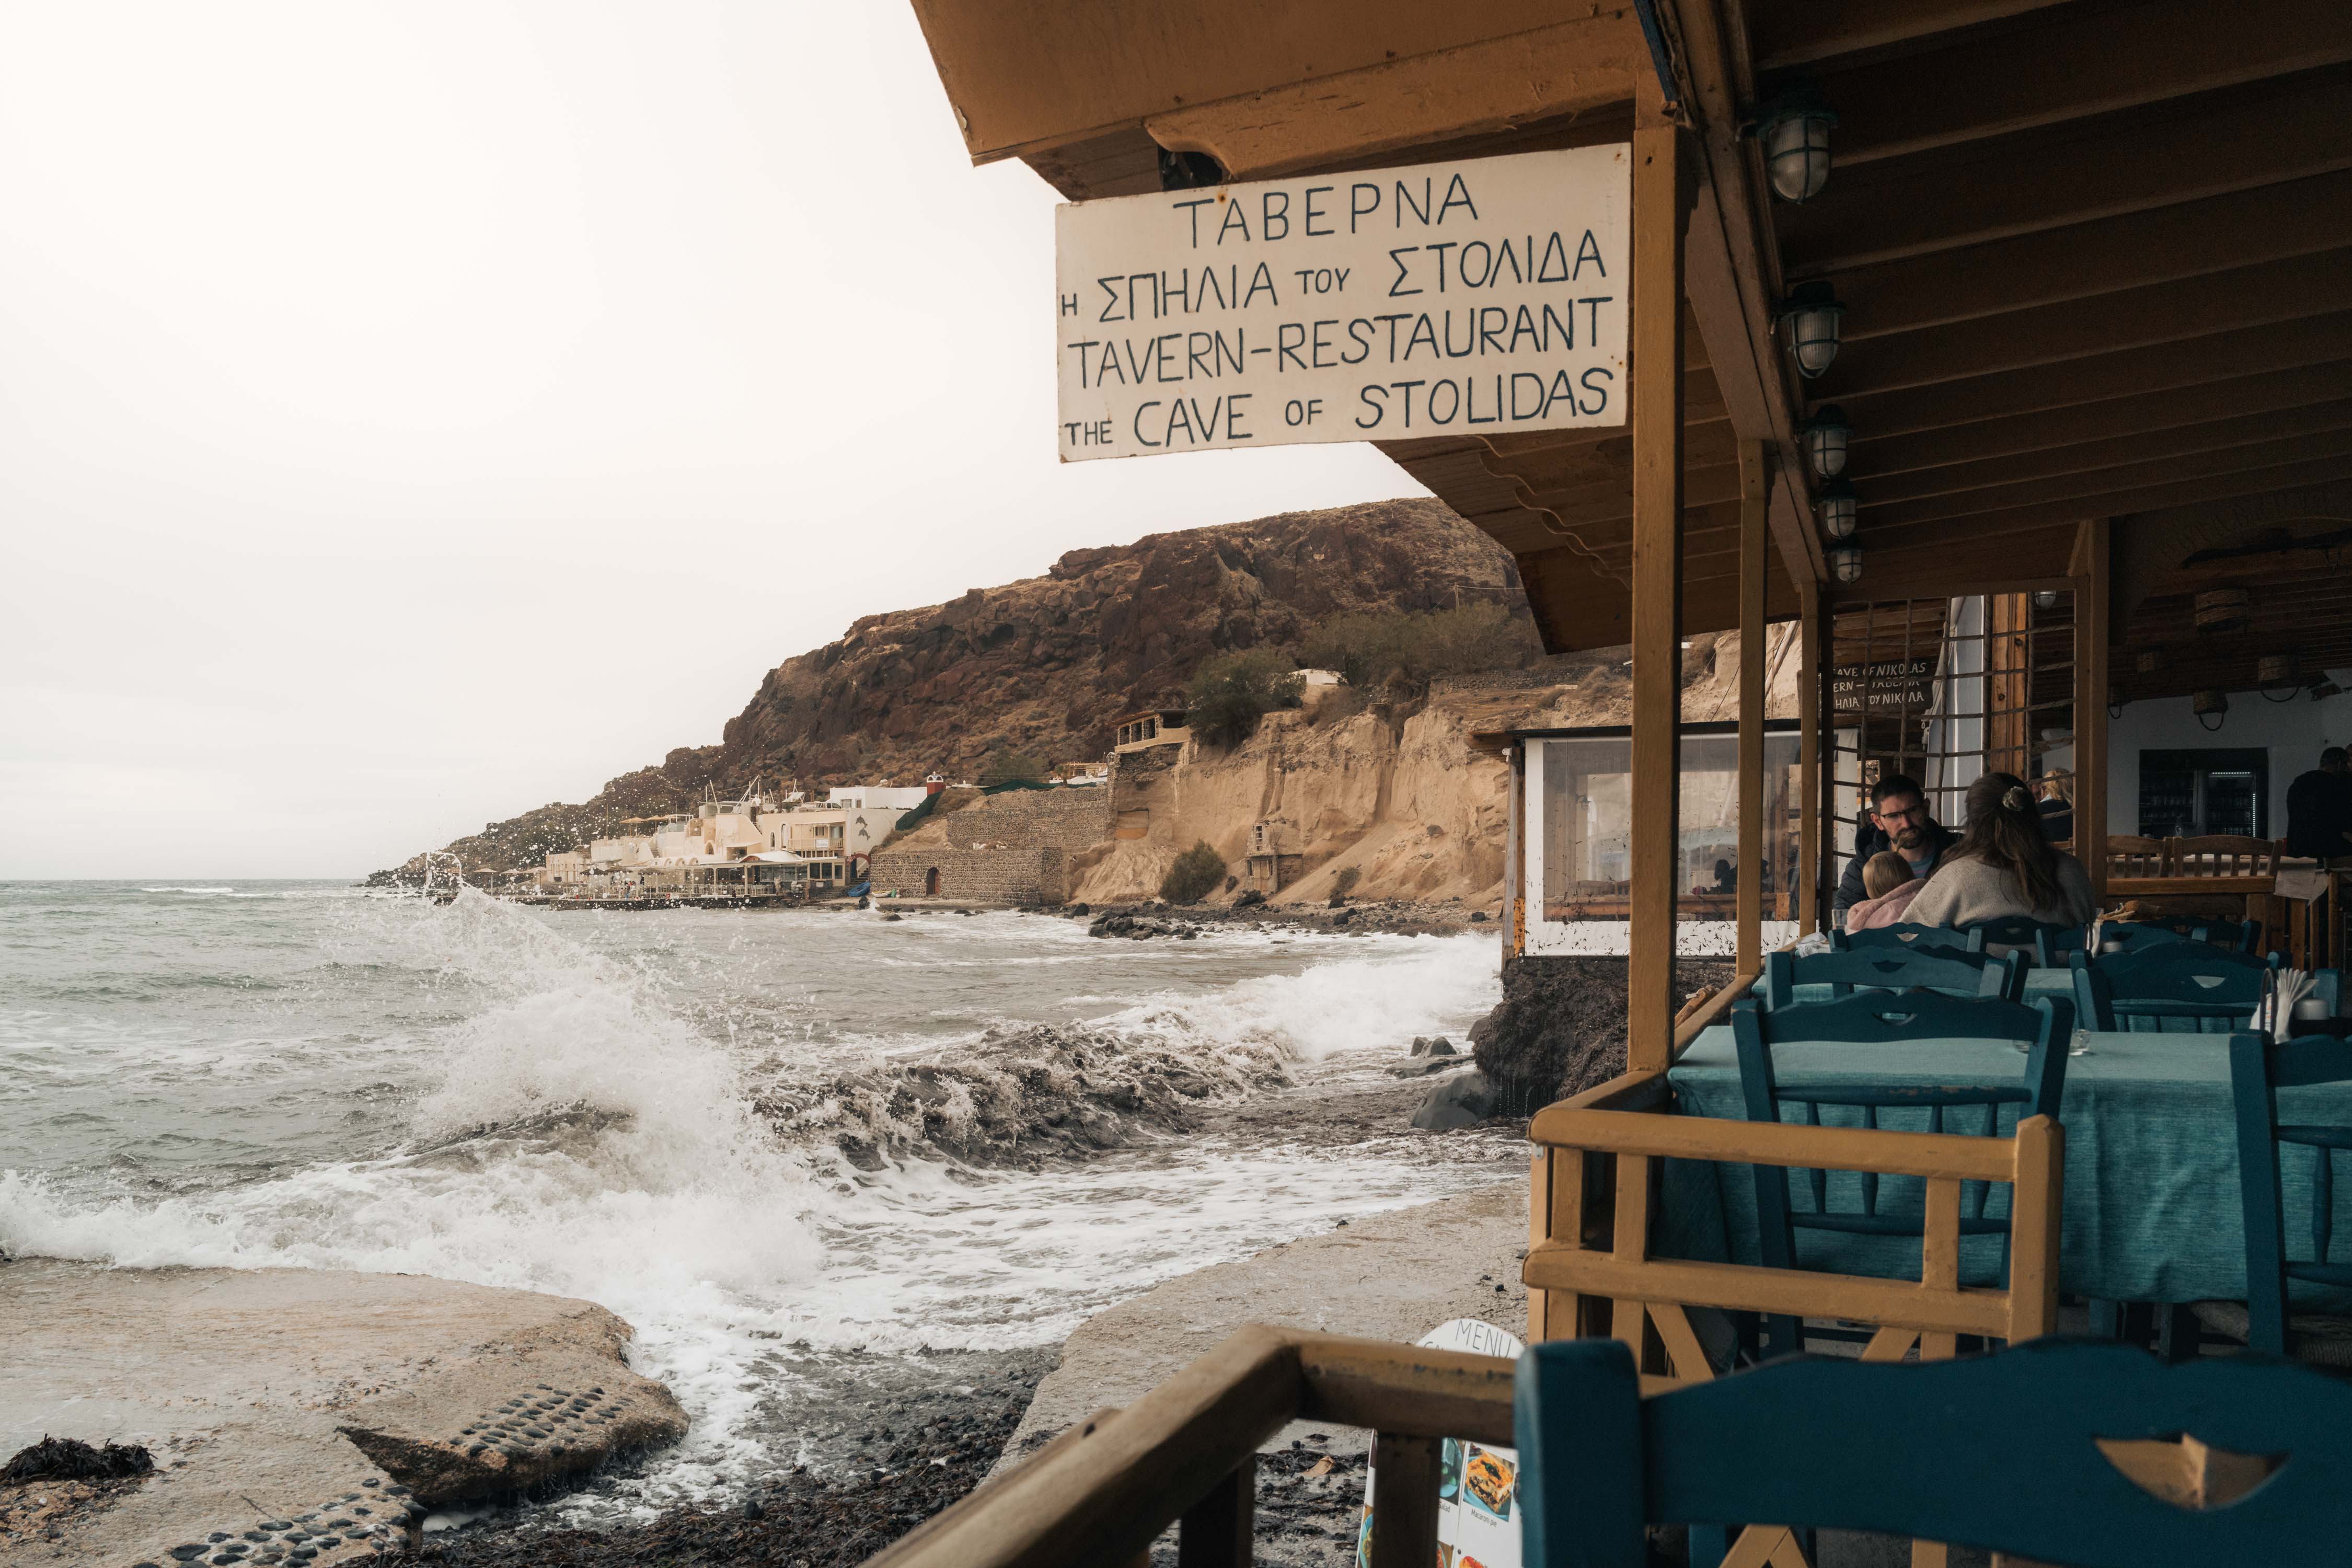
(2097, 259)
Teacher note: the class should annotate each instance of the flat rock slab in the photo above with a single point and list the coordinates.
(298, 1417)
(1391, 1276)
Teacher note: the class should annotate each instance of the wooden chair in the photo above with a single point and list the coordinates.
(2049, 1023)
(2181, 987)
(1902, 934)
(1937, 969)
(2258, 1071)
(2048, 944)
(2129, 857)
(1590, 1270)
(2063, 1451)
(2223, 855)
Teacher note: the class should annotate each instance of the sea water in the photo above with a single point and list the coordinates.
(762, 1138)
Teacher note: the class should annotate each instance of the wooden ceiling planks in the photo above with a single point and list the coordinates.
(2097, 256)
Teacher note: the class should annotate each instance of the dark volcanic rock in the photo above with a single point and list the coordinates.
(1560, 1026)
(71, 1459)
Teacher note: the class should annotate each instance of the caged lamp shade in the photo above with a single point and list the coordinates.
(1809, 318)
(1827, 435)
(1837, 509)
(1846, 562)
(1794, 133)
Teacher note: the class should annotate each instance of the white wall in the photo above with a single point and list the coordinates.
(903, 798)
(2293, 733)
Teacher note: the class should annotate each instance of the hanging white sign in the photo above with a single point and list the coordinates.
(1476, 298)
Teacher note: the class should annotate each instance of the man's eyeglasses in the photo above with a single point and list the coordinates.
(1895, 815)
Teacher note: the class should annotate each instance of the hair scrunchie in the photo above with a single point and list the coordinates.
(2016, 799)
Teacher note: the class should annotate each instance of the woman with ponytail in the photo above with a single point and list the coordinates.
(2003, 866)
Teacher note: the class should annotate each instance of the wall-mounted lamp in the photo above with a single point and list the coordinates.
(1795, 131)
(1837, 509)
(1809, 317)
(1827, 435)
(2045, 598)
(1846, 562)
(2209, 703)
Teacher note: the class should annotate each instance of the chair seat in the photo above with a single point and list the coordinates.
(2320, 1339)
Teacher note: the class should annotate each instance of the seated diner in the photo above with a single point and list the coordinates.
(1887, 878)
(1899, 820)
(2002, 867)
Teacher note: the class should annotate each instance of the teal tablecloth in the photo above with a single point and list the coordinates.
(2152, 1204)
(2043, 982)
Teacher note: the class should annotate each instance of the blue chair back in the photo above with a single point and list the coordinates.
(2128, 936)
(2002, 1453)
(1877, 1017)
(2258, 1071)
(2048, 944)
(2181, 987)
(1936, 968)
(1902, 934)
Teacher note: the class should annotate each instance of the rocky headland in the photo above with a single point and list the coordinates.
(1382, 788)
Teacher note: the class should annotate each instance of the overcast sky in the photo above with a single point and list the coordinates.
(412, 414)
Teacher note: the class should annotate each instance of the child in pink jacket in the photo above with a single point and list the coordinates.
(1886, 878)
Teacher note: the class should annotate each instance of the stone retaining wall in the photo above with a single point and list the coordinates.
(1070, 818)
(1034, 874)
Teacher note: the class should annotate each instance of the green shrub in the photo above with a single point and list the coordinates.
(1006, 765)
(1195, 875)
(1231, 691)
(1367, 650)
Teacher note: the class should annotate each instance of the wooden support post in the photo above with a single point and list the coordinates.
(1219, 1531)
(1754, 525)
(1656, 411)
(2091, 588)
(1404, 1501)
(1808, 757)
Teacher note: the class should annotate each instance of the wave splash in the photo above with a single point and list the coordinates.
(1018, 1095)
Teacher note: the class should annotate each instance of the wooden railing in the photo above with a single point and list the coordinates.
(1186, 1454)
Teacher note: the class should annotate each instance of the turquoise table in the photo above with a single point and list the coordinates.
(2152, 1206)
(2038, 982)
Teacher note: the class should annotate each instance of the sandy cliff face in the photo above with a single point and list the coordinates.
(1398, 794)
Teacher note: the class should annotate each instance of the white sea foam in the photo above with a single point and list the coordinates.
(575, 1133)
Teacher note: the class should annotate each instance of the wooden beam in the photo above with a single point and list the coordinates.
(1657, 418)
(2126, 162)
(2161, 244)
(2091, 609)
(1755, 525)
(2175, 312)
(2073, 63)
(1731, 275)
(2164, 366)
(1809, 758)
(1802, 35)
(2058, 432)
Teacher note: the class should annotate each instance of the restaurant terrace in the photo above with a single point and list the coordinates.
(2005, 346)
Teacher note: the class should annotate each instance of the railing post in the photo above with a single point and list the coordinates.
(1404, 1501)
(1219, 1531)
